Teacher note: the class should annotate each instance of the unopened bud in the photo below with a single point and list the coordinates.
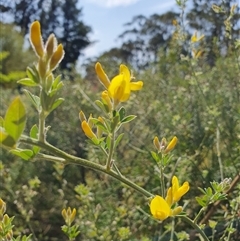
(56, 57)
(106, 100)
(64, 214)
(72, 216)
(171, 144)
(2, 207)
(51, 45)
(177, 210)
(82, 116)
(101, 75)
(156, 143)
(87, 130)
(42, 68)
(36, 38)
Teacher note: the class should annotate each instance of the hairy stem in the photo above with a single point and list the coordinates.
(65, 158)
(195, 226)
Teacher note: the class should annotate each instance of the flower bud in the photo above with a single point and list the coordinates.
(106, 100)
(177, 210)
(156, 143)
(42, 68)
(2, 207)
(72, 216)
(51, 45)
(171, 145)
(82, 116)
(101, 75)
(87, 130)
(36, 39)
(56, 57)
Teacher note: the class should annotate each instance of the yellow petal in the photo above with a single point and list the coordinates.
(119, 89)
(181, 191)
(125, 71)
(36, 38)
(159, 208)
(169, 197)
(136, 85)
(101, 75)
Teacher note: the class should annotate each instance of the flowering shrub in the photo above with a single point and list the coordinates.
(104, 134)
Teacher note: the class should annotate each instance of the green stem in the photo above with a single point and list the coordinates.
(110, 154)
(42, 136)
(198, 215)
(172, 230)
(65, 158)
(162, 177)
(195, 226)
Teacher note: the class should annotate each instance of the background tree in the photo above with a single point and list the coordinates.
(63, 17)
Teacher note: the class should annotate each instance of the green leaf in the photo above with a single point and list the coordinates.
(34, 135)
(119, 138)
(128, 118)
(33, 74)
(108, 142)
(34, 99)
(56, 82)
(202, 190)
(201, 202)
(15, 119)
(25, 154)
(155, 156)
(1, 122)
(34, 132)
(122, 113)
(6, 139)
(56, 103)
(102, 106)
(27, 82)
(114, 122)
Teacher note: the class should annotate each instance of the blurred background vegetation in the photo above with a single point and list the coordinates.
(202, 110)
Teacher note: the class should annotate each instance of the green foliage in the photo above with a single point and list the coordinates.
(55, 14)
(183, 96)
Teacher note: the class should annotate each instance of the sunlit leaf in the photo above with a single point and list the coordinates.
(25, 154)
(34, 99)
(6, 140)
(27, 82)
(15, 119)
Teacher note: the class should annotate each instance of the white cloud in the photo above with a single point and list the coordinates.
(113, 3)
(164, 5)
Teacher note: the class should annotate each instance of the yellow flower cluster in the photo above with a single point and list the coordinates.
(162, 208)
(119, 88)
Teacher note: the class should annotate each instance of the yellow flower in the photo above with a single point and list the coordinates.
(121, 86)
(195, 39)
(177, 191)
(160, 208)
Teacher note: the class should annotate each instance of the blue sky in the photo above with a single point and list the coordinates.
(107, 17)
